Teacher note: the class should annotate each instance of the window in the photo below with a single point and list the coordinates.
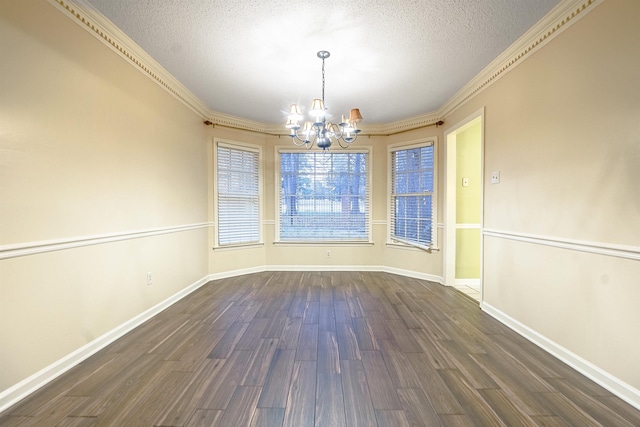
(324, 196)
(238, 194)
(412, 195)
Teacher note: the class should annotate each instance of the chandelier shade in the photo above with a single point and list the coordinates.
(318, 130)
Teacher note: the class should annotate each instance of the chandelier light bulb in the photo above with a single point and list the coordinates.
(292, 124)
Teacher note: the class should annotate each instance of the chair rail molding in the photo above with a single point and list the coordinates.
(39, 247)
(600, 248)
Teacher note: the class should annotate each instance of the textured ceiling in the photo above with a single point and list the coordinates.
(392, 59)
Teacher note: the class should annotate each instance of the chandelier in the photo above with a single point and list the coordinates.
(320, 131)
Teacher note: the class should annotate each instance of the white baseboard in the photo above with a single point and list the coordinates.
(234, 273)
(414, 274)
(19, 391)
(621, 389)
(472, 283)
(391, 270)
(29, 385)
(240, 272)
(328, 267)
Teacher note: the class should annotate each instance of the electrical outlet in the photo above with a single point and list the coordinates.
(149, 278)
(495, 177)
(328, 254)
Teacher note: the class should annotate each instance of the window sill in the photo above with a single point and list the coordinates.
(398, 245)
(237, 247)
(323, 243)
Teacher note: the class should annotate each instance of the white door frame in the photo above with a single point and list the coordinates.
(449, 258)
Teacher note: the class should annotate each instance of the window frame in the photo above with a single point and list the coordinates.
(278, 195)
(241, 146)
(408, 145)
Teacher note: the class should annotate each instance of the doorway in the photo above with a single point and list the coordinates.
(464, 154)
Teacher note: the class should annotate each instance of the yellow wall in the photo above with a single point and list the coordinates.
(562, 129)
(89, 147)
(468, 165)
(468, 201)
(468, 253)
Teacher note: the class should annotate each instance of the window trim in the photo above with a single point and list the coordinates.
(408, 145)
(278, 188)
(226, 143)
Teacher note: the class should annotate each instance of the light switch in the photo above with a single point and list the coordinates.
(465, 182)
(495, 177)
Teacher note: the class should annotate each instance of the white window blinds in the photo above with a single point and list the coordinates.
(412, 193)
(238, 195)
(324, 196)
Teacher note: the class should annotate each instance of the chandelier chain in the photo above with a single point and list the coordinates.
(323, 81)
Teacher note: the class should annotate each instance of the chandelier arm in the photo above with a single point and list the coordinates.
(355, 136)
(308, 145)
(295, 137)
(337, 130)
(309, 142)
(299, 144)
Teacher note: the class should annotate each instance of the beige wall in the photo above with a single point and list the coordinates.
(222, 261)
(426, 264)
(562, 129)
(272, 255)
(89, 147)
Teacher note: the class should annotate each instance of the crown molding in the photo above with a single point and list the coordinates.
(220, 119)
(557, 20)
(85, 15)
(429, 119)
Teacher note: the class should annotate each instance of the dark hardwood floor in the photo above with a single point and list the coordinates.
(325, 349)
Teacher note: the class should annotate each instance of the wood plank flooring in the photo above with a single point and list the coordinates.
(322, 349)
